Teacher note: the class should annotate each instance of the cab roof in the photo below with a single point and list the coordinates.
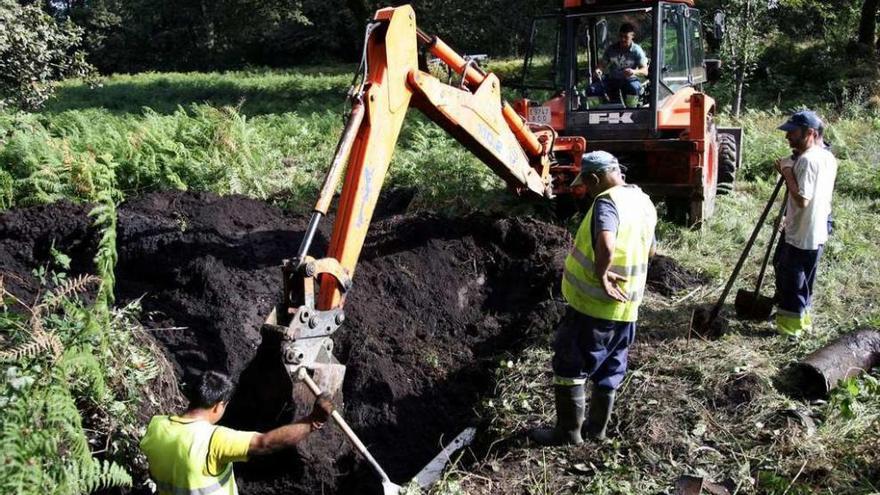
(580, 4)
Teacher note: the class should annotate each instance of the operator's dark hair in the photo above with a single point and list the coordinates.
(627, 27)
(208, 389)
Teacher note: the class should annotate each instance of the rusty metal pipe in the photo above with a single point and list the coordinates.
(848, 355)
(340, 158)
(474, 76)
(331, 180)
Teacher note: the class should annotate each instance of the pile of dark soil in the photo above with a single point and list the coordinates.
(666, 276)
(435, 301)
(27, 237)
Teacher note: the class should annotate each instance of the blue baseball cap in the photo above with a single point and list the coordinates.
(804, 118)
(594, 162)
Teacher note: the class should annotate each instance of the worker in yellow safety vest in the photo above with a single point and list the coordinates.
(190, 455)
(603, 283)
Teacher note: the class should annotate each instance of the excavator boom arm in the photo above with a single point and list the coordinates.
(474, 113)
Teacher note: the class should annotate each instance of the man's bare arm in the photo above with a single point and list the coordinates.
(290, 435)
(280, 438)
(604, 247)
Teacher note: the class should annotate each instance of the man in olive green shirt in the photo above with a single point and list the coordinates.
(189, 453)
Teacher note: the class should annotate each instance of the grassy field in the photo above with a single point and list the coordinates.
(271, 134)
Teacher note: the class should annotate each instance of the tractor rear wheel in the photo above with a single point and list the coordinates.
(726, 163)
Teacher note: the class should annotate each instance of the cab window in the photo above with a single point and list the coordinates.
(695, 33)
(674, 64)
(540, 67)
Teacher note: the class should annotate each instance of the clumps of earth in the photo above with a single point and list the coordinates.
(436, 301)
(666, 276)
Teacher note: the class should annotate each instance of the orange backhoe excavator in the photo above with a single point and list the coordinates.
(523, 155)
(532, 158)
(474, 113)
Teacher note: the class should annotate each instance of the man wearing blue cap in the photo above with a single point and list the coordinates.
(603, 283)
(809, 181)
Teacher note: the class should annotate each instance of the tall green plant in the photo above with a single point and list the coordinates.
(748, 22)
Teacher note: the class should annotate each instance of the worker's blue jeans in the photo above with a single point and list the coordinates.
(591, 348)
(613, 88)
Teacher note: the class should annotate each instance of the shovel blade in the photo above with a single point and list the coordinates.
(752, 305)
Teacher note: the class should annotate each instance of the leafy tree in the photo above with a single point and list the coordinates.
(748, 24)
(868, 22)
(36, 51)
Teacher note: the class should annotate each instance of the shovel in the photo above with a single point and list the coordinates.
(752, 305)
(388, 488)
(703, 320)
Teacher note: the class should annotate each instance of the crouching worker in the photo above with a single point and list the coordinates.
(603, 283)
(190, 454)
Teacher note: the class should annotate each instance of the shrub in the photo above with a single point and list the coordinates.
(35, 53)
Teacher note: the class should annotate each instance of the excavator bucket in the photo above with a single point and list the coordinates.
(301, 343)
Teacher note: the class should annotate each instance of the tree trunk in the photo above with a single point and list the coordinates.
(868, 22)
(739, 83)
(743, 66)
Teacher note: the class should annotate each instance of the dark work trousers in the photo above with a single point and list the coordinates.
(591, 348)
(795, 276)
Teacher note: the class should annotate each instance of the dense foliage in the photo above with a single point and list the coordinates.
(142, 35)
(35, 53)
(66, 362)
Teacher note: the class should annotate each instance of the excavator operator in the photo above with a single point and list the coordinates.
(603, 283)
(190, 454)
(624, 61)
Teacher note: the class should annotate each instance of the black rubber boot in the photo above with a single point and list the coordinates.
(570, 405)
(601, 404)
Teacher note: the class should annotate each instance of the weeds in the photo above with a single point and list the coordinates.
(708, 408)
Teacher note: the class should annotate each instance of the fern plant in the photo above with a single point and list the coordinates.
(59, 364)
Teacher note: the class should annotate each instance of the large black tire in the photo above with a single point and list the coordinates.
(726, 163)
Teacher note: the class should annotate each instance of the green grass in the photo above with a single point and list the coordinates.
(675, 413)
(675, 416)
(271, 134)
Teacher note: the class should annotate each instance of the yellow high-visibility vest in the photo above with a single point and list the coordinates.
(635, 233)
(178, 455)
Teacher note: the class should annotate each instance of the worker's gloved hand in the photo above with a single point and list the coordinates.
(322, 409)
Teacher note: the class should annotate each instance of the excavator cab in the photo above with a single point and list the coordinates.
(658, 121)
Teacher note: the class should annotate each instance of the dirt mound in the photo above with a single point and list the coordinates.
(435, 301)
(28, 235)
(666, 276)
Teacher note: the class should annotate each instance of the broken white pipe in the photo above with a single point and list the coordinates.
(434, 469)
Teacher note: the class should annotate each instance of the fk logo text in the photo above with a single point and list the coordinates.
(611, 118)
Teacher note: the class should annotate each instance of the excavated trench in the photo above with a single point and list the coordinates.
(436, 300)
